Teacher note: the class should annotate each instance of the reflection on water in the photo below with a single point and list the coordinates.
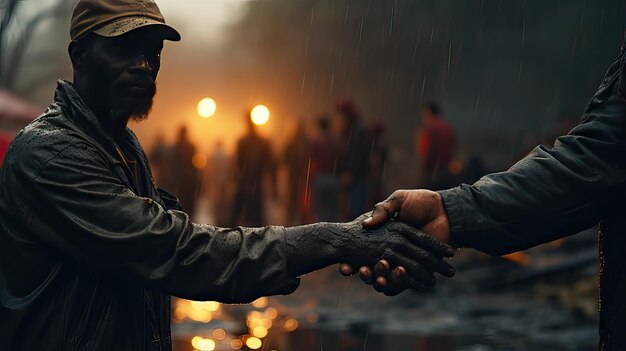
(358, 339)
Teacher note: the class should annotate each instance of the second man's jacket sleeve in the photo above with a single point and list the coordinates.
(553, 192)
(88, 214)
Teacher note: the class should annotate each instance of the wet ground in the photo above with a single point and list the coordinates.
(336, 313)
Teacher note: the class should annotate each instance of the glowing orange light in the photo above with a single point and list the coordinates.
(260, 302)
(203, 344)
(219, 334)
(259, 332)
(196, 310)
(312, 317)
(271, 313)
(254, 343)
(236, 344)
(199, 161)
(455, 167)
(207, 107)
(260, 115)
(290, 324)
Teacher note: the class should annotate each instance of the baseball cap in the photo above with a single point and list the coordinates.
(111, 18)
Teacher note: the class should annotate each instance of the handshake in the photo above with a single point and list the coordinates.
(397, 246)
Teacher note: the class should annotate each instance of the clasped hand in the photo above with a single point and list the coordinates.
(415, 255)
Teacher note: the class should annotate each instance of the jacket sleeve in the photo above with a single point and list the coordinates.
(553, 192)
(89, 215)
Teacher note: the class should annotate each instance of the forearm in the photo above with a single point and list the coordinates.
(552, 192)
(314, 246)
(499, 220)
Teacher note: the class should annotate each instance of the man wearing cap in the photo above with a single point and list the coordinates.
(91, 250)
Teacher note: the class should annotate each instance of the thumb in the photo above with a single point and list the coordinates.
(383, 211)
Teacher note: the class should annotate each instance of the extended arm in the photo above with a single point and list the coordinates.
(90, 216)
(552, 192)
(547, 195)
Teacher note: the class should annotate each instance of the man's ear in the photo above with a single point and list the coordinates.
(78, 55)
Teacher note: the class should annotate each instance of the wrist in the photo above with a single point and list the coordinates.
(315, 246)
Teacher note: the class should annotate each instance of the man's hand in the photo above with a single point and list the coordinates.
(420, 208)
(416, 254)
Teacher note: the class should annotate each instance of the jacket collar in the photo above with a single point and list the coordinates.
(79, 113)
(87, 124)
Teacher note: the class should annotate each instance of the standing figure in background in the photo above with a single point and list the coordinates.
(160, 157)
(4, 145)
(254, 163)
(436, 142)
(377, 162)
(326, 151)
(297, 158)
(218, 173)
(187, 176)
(355, 164)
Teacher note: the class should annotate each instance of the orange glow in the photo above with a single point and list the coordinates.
(518, 257)
(260, 115)
(254, 343)
(203, 344)
(199, 161)
(271, 313)
(196, 310)
(219, 334)
(260, 302)
(236, 344)
(290, 324)
(455, 167)
(207, 107)
(312, 317)
(260, 332)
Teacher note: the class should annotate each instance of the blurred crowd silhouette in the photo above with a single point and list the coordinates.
(334, 169)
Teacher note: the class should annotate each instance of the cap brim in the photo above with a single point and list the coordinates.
(127, 24)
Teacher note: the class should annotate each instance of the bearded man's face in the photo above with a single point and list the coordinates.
(122, 71)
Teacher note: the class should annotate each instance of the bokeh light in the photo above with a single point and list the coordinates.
(199, 160)
(261, 302)
(271, 313)
(260, 115)
(219, 334)
(203, 344)
(259, 331)
(236, 344)
(207, 107)
(196, 310)
(254, 343)
(290, 325)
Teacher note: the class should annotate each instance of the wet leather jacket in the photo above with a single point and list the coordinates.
(90, 250)
(559, 191)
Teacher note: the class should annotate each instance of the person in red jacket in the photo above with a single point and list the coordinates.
(4, 145)
(436, 141)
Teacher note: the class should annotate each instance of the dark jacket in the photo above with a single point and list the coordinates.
(90, 251)
(559, 191)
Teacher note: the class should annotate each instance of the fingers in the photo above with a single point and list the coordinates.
(365, 273)
(346, 269)
(394, 282)
(415, 270)
(429, 261)
(381, 271)
(424, 240)
(397, 282)
(383, 211)
(382, 268)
